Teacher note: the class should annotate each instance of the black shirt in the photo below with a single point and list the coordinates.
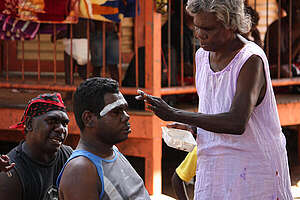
(38, 180)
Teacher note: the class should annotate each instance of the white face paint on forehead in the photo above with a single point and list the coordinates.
(113, 105)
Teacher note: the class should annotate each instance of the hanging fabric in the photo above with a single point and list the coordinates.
(12, 28)
(36, 6)
(9, 7)
(42, 11)
(49, 11)
(23, 19)
(107, 10)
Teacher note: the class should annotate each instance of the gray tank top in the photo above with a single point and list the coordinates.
(119, 179)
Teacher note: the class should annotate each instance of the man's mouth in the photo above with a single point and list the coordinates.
(127, 130)
(56, 140)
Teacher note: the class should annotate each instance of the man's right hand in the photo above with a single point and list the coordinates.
(5, 164)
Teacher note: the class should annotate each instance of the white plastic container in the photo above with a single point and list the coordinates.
(178, 139)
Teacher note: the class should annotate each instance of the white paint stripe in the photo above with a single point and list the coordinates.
(112, 106)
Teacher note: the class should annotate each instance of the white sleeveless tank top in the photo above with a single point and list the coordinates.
(239, 167)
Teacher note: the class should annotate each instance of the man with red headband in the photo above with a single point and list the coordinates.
(39, 158)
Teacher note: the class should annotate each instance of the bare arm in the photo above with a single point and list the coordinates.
(10, 186)
(80, 181)
(250, 91)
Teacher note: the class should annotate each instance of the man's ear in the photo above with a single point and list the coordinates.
(88, 119)
(28, 124)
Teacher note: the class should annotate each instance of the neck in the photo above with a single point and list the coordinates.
(95, 146)
(232, 45)
(36, 154)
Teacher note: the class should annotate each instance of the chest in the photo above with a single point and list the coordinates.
(121, 180)
(215, 91)
(218, 64)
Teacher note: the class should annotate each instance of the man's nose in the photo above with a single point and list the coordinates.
(126, 116)
(60, 128)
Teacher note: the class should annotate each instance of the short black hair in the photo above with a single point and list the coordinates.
(89, 96)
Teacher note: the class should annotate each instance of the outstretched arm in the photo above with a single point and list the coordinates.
(250, 91)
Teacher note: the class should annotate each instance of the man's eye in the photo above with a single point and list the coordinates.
(51, 121)
(117, 111)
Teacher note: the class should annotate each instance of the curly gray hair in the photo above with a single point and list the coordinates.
(230, 12)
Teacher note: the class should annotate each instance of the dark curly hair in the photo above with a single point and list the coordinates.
(89, 96)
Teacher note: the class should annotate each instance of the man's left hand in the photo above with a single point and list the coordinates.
(5, 164)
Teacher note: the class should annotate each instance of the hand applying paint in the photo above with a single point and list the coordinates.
(157, 105)
(141, 94)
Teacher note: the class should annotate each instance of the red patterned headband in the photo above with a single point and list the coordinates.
(40, 105)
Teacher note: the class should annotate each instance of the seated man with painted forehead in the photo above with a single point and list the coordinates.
(96, 169)
(38, 159)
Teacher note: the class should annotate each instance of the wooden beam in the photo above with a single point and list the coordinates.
(288, 109)
(289, 113)
(153, 83)
(178, 90)
(286, 81)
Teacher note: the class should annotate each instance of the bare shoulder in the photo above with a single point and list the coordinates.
(10, 185)
(255, 59)
(79, 180)
(252, 74)
(77, 166)
(254, 63)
